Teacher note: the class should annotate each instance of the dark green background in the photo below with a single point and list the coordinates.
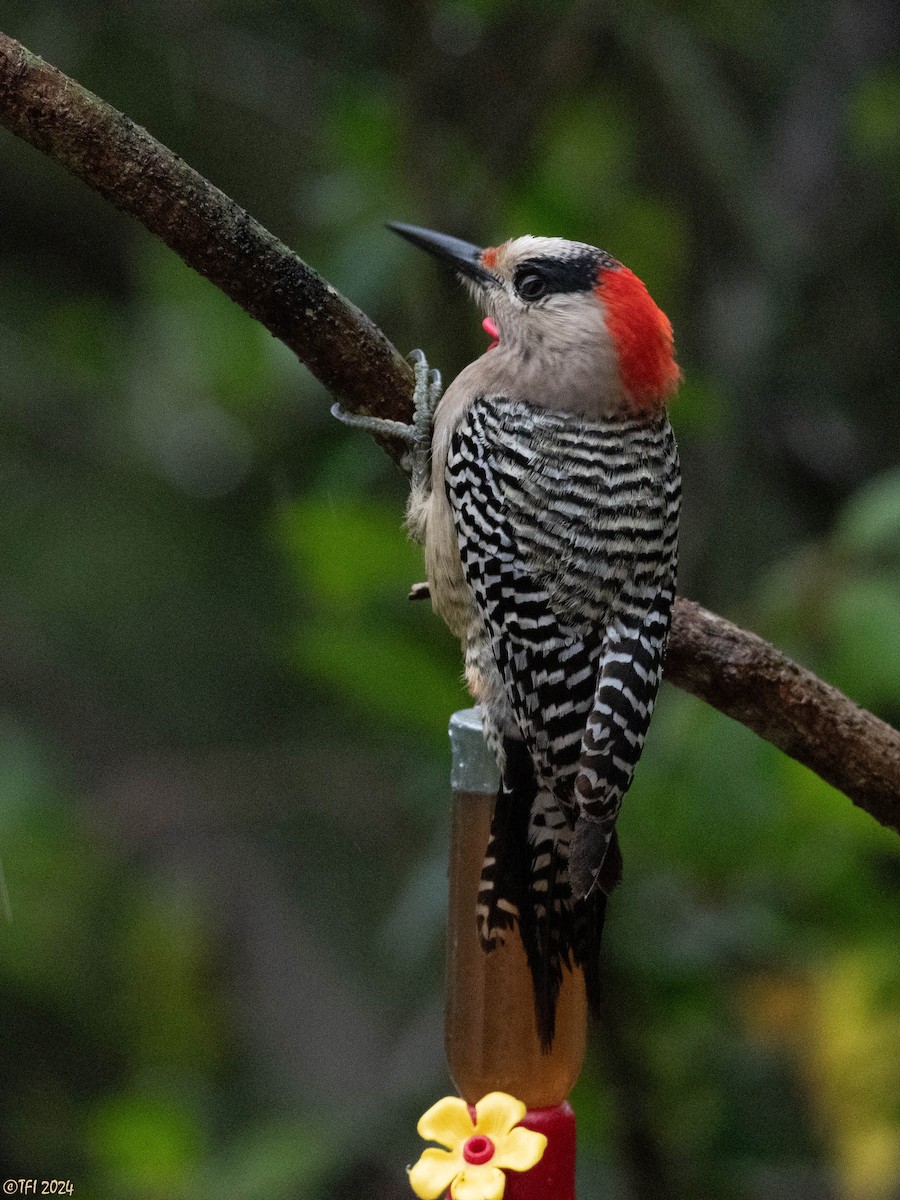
(223, 766)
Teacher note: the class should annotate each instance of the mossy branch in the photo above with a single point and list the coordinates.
(734, 670)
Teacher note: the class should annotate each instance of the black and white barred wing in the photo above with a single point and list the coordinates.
(568, 537)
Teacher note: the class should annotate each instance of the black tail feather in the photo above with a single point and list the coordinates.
(556, 932)
(545, 926)
(505, 877)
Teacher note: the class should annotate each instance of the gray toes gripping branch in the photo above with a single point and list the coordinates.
(417, 435)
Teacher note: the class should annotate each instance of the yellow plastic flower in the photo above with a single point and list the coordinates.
(472, 1165)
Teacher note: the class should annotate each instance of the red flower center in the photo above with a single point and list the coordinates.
(478, 1149)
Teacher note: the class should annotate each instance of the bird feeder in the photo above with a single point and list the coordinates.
(491, 1036)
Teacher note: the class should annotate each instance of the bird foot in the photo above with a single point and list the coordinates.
(417, 436)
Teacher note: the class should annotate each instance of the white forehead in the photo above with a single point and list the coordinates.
(521, 249)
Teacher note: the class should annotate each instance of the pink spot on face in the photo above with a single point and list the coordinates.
(492, 331)
(489, 256)
(478, 1149)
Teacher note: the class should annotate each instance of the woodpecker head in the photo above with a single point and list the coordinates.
(569, 311)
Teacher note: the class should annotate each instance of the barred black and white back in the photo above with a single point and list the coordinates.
(567, 535)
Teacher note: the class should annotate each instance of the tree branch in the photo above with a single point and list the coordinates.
(748, 679)
(735, 671)
(215, 236)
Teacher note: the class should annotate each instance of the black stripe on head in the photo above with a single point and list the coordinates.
(574, 273)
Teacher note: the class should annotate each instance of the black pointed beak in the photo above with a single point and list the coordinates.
(462, 256)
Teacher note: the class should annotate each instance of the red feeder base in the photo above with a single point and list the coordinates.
(553, 1178)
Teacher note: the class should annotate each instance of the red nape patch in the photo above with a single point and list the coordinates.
(489, 256)
(643, 337)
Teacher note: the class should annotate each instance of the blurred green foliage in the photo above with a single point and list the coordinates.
(223, 771)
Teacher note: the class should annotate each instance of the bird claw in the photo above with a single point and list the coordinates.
(417, 435)
(375, 425)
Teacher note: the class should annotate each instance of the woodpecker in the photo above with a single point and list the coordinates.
(546, 492)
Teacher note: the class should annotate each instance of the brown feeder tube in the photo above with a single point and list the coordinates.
(491, 1037)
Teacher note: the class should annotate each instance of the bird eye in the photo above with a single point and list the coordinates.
(531, 286)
